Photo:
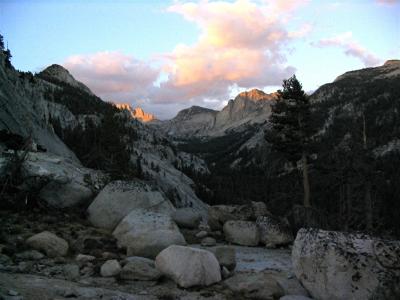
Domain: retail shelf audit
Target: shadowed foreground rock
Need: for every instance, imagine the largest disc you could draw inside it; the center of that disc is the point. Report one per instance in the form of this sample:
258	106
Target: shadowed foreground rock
49	243
334	265
189	266
242	233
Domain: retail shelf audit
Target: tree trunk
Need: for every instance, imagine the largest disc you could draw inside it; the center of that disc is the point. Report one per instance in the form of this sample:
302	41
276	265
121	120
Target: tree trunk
306	182
368	208
348	205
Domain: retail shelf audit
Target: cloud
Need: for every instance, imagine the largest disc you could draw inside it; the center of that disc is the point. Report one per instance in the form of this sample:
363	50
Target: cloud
113	74
350	48
241	43
387	2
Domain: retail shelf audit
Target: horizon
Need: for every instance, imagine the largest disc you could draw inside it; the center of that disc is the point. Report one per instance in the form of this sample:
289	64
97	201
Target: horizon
186	53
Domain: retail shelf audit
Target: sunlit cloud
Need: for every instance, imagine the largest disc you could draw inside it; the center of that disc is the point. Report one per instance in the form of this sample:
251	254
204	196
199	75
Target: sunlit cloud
242	44
113	74
350	47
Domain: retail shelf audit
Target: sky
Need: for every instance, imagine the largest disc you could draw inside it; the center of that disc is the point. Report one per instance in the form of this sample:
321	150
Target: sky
168	55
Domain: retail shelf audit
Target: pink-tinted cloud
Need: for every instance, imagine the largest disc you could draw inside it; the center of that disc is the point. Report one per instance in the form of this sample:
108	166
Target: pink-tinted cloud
242	44
350	47
113	74
388	2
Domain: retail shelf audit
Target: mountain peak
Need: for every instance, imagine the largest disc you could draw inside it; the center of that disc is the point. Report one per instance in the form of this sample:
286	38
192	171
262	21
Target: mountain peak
256	95
392	62
137	113
59	73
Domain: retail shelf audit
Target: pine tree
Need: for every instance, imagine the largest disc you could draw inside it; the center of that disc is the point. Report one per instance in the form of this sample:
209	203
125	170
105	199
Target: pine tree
1	43
291	130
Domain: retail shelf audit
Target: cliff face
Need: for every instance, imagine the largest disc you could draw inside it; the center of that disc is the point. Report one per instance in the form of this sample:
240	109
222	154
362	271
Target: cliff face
137	113
25	111
248	108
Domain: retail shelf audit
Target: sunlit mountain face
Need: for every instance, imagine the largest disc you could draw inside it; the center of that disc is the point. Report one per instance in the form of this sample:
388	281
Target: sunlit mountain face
173	149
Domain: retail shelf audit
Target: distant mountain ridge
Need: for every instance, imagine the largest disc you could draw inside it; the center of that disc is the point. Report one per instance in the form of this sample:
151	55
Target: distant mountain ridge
250	107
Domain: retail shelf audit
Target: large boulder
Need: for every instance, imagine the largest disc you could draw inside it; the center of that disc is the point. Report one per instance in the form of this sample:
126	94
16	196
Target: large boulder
254	286
48	243
61	183
119	198
242	233
189	266
146	233
186	217
62	195
335	265
273	232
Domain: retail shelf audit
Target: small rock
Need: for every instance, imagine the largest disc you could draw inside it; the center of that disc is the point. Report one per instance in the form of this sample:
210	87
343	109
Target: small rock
84	258
201	234
110	268
225	272
208	242
12	293
139	268
30	255
109	255
49	243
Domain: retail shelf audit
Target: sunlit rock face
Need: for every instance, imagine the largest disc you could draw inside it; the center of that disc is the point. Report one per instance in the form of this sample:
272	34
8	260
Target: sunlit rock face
137	113
26	112
251	107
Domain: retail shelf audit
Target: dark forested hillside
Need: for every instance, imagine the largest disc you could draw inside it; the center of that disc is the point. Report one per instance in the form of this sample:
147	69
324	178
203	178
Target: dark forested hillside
355	165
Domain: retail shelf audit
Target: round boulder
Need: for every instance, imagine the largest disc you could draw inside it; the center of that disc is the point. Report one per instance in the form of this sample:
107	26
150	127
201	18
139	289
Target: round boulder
189	266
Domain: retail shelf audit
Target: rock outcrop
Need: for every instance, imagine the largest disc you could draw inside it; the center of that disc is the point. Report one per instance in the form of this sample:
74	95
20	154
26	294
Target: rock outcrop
119	198
334	265
189	266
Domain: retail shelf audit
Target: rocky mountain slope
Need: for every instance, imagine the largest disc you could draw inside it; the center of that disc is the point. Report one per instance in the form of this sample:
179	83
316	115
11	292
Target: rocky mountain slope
247	108
59	113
